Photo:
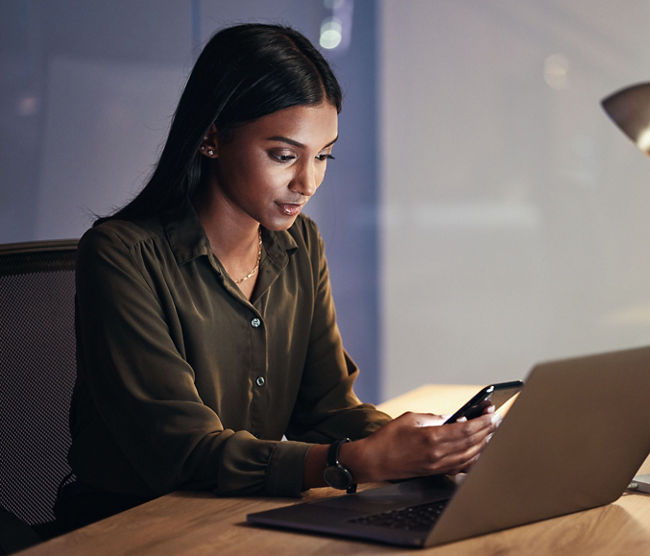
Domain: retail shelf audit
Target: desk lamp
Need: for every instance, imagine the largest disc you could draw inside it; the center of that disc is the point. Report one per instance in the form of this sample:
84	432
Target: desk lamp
630	110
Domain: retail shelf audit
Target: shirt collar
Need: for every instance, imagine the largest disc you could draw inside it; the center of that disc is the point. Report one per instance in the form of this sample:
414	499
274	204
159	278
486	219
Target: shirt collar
185	234
279	246
188	241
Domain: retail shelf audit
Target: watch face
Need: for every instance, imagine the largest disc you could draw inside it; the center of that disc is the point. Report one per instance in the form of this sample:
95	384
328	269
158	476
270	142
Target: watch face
338	477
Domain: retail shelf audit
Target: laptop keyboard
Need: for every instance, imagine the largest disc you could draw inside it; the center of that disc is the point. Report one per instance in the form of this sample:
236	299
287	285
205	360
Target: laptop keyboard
414	518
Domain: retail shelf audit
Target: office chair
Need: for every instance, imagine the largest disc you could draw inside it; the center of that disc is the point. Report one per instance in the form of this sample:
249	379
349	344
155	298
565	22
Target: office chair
37	374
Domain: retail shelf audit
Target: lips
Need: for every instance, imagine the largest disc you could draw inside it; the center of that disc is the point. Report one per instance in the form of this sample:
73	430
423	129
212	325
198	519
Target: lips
290	209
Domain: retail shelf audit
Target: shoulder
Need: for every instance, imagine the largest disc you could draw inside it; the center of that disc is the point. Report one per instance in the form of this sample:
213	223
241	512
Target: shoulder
118	238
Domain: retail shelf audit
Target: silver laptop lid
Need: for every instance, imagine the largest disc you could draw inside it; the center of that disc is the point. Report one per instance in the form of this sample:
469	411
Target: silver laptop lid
573	440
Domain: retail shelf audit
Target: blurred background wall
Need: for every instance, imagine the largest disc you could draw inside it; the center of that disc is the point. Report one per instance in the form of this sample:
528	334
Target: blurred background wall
514	214
481	214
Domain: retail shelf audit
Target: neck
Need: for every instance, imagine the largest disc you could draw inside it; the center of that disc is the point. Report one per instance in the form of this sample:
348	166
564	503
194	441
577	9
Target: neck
232	235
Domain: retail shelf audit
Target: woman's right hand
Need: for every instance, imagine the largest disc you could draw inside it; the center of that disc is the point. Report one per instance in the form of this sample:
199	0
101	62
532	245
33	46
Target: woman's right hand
417	444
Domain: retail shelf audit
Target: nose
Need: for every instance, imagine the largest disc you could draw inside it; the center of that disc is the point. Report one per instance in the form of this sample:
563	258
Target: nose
306	179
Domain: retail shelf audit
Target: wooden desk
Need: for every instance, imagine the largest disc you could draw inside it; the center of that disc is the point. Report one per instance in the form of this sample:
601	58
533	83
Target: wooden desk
199	523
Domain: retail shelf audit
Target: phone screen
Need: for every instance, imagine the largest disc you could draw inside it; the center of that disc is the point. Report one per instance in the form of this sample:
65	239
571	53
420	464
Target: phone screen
494	394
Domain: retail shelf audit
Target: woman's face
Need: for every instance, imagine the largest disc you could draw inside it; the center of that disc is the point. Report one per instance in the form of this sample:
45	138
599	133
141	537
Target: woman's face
268	169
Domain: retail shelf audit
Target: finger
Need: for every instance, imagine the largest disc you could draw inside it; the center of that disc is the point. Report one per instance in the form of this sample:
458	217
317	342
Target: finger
475	458
482	425
469	464
457	461
456	437
460	438
485	421
466	466
425	419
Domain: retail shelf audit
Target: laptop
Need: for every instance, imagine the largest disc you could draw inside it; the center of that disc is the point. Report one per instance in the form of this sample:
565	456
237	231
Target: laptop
572	440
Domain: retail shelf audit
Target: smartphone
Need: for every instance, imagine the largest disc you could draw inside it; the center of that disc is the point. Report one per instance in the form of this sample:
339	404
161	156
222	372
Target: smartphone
494	394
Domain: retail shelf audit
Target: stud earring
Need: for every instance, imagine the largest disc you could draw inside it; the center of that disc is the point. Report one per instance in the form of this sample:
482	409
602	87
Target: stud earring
210	152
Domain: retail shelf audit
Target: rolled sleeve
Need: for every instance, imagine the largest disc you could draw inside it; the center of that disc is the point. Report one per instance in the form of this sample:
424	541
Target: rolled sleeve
284	476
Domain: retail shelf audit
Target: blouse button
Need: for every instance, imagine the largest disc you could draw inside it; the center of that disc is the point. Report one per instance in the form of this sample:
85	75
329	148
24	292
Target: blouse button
260	381
255	323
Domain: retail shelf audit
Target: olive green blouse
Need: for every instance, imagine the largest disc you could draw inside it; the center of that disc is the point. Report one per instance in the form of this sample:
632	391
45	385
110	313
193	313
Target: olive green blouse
185	383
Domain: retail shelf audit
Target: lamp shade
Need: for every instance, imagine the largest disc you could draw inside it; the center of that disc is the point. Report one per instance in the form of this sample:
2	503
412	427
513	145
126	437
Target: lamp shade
630	110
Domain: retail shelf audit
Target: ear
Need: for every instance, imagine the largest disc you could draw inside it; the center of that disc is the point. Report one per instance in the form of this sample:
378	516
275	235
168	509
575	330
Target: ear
209	144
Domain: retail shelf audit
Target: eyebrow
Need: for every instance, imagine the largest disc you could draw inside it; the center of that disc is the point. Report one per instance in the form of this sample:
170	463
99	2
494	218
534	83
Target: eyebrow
296	143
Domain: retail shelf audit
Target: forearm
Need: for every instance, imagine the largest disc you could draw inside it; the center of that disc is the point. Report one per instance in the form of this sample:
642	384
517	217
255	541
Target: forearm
410	446
315	462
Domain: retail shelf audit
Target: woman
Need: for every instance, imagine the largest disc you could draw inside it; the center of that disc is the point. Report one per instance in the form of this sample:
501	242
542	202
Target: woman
205	321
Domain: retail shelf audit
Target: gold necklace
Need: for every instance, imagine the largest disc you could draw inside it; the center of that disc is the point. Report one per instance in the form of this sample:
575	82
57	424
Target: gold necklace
257	264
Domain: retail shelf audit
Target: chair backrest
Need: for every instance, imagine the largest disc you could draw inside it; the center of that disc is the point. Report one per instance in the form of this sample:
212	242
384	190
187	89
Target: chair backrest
37	373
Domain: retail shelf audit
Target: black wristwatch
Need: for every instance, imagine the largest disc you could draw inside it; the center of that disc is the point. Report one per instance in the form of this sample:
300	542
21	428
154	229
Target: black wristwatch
337	475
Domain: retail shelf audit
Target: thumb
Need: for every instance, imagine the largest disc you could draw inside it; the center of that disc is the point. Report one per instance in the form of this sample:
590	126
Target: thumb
424	419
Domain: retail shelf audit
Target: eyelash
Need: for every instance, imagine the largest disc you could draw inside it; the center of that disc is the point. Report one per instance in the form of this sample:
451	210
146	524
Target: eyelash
282	157
289	157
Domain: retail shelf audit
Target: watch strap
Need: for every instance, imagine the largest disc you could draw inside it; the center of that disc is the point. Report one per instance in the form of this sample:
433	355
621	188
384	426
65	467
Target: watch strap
334	450
333	461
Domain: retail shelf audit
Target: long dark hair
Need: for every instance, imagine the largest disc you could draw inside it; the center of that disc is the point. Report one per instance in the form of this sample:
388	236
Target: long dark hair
243	73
